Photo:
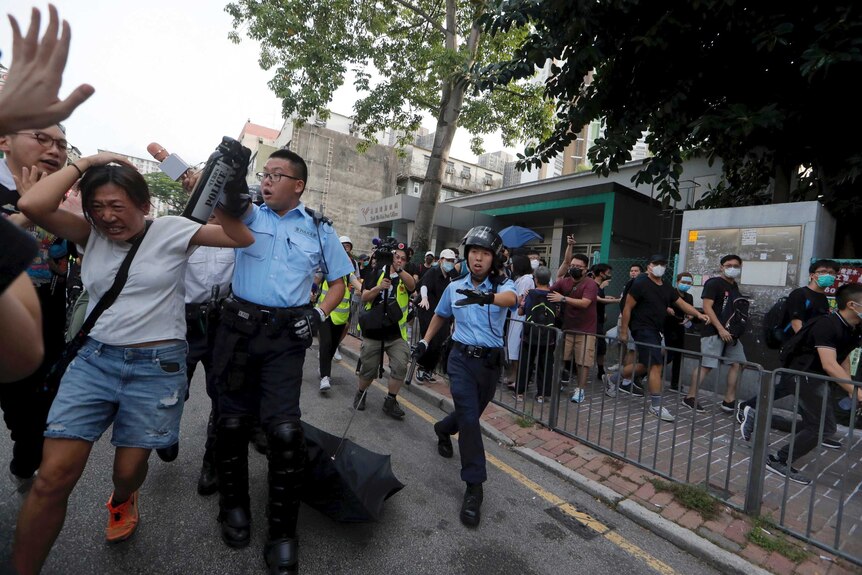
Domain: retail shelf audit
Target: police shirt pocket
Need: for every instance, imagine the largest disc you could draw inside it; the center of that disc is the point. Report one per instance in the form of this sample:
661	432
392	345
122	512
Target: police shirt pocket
225	256
262	246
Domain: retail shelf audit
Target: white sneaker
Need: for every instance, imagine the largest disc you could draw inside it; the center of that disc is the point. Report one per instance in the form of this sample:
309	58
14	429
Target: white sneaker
578	395
661	413
337	356
613	368
325	384
22	486
610	386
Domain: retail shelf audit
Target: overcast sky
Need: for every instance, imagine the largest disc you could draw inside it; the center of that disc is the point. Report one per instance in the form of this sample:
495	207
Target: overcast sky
165	71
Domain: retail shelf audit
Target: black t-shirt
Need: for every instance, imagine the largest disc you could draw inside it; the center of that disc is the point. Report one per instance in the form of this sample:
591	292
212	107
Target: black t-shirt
722	293
804	303
435	281
833	332
600	307
652	303
19	250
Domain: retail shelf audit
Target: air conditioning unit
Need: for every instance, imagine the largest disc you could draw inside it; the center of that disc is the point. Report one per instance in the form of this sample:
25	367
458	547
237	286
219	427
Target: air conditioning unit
320	122
465	174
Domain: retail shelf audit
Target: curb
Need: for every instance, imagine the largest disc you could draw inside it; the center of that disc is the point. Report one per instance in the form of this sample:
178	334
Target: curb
681	537
688	540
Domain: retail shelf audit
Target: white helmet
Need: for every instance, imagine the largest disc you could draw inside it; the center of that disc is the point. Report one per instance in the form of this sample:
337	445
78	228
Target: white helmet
345	240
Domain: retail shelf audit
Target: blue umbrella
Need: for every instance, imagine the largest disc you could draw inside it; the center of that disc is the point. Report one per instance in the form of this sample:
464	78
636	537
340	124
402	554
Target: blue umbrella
517	236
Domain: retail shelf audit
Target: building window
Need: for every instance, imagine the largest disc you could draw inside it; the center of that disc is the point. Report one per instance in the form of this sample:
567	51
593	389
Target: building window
465	172
417	188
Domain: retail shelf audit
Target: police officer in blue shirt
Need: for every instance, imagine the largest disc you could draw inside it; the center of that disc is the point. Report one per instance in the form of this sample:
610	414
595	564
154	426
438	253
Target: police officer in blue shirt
267	324
478	302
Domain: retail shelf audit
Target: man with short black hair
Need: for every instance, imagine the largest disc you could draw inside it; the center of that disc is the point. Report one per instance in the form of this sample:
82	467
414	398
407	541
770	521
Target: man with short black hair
718	295
431	289
824	349
25	403
645	309
602	276
803	304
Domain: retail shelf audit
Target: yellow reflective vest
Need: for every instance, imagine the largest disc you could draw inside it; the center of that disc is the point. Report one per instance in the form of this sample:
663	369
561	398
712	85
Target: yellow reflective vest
341	314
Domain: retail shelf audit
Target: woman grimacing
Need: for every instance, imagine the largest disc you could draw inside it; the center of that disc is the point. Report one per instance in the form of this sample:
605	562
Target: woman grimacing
130	372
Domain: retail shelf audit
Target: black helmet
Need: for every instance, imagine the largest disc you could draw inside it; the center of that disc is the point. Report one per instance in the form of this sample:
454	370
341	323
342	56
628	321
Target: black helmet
483	237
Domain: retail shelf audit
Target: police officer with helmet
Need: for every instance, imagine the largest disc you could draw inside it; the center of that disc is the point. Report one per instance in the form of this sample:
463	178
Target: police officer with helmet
266	326
478	301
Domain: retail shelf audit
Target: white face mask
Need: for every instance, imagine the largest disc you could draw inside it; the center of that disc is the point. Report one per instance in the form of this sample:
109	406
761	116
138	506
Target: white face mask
732	272
535	264
658	271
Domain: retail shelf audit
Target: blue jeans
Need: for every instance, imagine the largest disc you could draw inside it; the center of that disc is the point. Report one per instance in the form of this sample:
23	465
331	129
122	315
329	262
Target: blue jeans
472	384
138	389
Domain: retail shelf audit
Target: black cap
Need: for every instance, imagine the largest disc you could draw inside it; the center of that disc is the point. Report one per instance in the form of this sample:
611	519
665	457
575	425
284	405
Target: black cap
362	257
657	258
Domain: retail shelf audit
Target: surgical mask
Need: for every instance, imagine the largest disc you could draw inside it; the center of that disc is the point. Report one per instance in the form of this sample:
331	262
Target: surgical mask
658	271
535	264
683	287
826	280
448	267
576	273
435	264
732	273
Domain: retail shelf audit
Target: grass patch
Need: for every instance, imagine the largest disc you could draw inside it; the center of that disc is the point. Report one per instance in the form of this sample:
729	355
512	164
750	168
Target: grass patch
691	497
525	421
765	535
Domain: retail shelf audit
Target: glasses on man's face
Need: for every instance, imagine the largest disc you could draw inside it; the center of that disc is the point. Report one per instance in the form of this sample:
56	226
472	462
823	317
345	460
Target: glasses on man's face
261	176
47	141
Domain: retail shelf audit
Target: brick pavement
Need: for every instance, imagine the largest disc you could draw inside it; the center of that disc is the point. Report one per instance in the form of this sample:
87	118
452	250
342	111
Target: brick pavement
729	530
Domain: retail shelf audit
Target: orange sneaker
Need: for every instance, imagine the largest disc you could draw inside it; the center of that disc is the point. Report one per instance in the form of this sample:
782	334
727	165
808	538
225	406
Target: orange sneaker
122	519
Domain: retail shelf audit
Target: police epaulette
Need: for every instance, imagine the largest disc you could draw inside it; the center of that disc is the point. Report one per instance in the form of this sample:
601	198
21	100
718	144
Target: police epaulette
317	216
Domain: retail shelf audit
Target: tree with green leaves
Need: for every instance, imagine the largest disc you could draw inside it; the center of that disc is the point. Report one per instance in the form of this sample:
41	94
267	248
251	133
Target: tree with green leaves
408	57
169	194
764	86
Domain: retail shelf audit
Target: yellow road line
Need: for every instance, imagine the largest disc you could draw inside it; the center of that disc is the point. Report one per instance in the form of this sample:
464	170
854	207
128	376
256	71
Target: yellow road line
564	506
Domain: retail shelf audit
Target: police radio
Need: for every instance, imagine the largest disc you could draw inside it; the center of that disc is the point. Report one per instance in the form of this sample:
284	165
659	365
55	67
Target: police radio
221	167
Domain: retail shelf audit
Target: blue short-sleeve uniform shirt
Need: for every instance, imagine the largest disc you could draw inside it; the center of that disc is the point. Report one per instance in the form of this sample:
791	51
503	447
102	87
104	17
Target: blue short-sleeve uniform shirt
475	324
277	270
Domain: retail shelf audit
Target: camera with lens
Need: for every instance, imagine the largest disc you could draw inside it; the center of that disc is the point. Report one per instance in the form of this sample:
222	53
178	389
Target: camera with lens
385	247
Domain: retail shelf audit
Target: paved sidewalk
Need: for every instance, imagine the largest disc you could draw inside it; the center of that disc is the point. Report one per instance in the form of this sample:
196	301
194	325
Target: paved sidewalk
722	540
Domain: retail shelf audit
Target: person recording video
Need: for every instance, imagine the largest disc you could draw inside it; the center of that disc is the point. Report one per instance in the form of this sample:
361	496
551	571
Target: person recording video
385	295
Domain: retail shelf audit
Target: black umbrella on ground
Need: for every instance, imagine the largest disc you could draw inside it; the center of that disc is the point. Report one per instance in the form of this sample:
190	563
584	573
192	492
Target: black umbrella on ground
351	487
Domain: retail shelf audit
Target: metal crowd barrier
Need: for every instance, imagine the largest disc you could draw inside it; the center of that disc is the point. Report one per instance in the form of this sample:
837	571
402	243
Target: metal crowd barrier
695	448
827	512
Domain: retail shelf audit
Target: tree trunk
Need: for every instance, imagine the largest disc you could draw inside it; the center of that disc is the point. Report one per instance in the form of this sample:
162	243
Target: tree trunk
781	180
451	100
447	123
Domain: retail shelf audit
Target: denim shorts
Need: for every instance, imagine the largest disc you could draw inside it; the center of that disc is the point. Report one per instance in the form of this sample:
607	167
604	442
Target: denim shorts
138	389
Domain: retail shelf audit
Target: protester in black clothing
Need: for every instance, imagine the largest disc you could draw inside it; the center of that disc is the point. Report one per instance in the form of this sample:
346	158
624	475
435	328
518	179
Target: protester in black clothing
824	349
602	276
644	312
427	265
718	296
433	284
803	304
675	325
538	344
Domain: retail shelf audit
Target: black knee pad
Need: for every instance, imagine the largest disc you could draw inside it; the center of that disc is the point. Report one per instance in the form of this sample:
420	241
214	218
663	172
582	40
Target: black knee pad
286	442
234	428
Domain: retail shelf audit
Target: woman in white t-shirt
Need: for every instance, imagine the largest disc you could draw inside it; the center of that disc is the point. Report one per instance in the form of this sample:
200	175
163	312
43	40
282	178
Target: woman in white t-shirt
131	370
523	273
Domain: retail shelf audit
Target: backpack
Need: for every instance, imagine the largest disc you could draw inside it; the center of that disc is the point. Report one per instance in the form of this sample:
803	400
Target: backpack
737	321
544	313
794	346
775	327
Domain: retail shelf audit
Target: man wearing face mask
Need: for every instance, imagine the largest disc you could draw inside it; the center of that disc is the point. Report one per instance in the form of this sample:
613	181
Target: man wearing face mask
718	296
803	304
433	284
427	265
644	312
579	294
535	259
824	349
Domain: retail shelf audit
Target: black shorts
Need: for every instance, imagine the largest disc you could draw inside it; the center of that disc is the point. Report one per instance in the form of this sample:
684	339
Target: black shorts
648	354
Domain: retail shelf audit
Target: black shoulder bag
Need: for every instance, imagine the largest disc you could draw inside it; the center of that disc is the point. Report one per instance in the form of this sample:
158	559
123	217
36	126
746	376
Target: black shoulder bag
55	374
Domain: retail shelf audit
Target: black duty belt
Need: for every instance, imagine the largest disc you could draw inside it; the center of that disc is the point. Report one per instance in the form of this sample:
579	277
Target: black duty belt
195	311
473	350
264	315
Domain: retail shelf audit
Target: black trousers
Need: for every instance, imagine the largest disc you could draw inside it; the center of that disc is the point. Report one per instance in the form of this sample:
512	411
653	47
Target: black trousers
813	393
200	336
328	339
25	403
543	357
431	357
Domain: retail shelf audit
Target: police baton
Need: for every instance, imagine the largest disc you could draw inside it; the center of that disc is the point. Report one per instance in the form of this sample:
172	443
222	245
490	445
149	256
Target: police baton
408	379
